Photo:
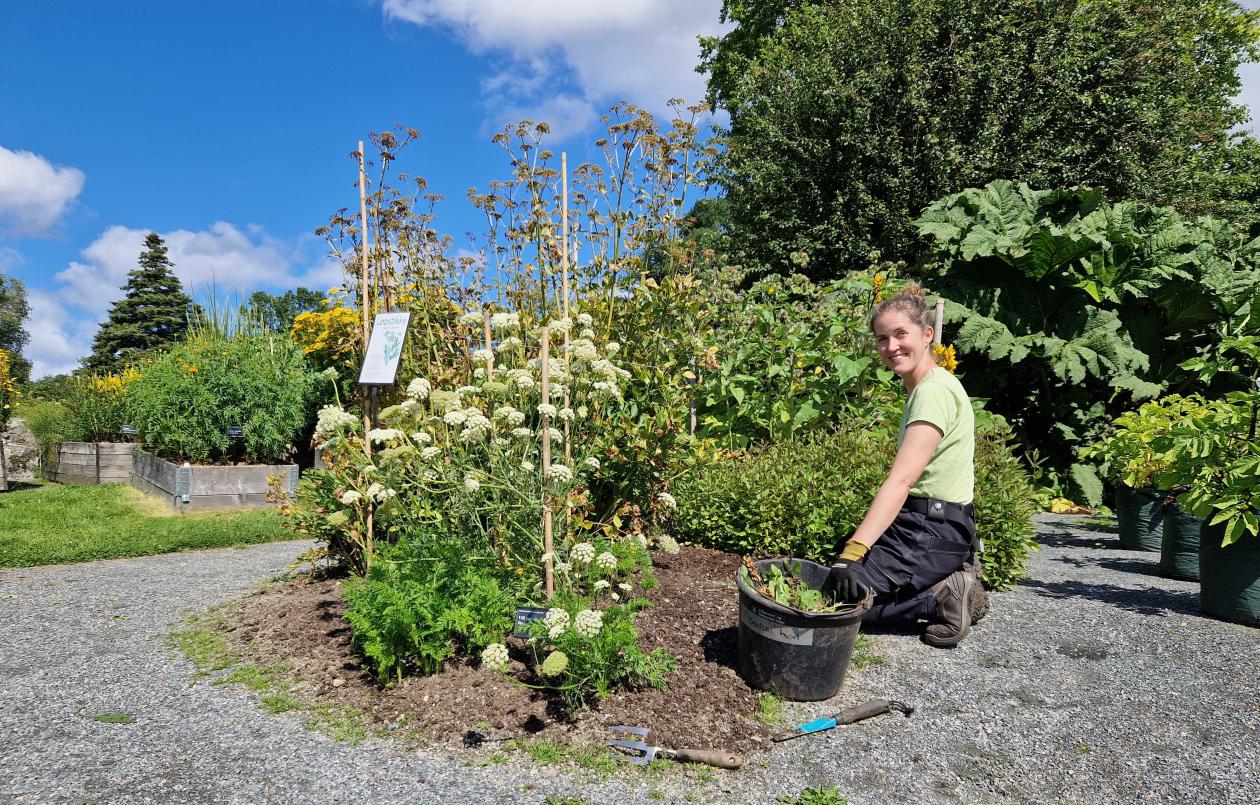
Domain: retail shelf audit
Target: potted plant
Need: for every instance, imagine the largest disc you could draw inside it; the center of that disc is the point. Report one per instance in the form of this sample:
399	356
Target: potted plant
1215	456
1131	459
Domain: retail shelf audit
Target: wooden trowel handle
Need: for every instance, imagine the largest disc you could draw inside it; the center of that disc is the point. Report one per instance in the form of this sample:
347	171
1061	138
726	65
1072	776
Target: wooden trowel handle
875	707
723	760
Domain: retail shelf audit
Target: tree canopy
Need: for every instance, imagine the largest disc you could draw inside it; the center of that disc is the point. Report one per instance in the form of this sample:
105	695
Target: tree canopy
13	335
849	117
277	313
153	312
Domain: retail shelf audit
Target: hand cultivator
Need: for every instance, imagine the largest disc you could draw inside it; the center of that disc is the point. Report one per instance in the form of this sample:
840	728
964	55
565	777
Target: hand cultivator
626	747
875	707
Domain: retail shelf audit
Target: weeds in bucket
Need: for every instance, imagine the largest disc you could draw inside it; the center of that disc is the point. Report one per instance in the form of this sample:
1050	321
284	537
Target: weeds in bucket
783	585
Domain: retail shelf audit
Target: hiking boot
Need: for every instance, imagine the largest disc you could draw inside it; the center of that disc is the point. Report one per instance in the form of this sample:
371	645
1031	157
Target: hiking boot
978	604
953	610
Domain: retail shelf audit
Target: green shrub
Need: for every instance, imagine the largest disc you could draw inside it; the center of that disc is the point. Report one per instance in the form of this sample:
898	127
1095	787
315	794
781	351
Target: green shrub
50	422
187	398
423	600
805	496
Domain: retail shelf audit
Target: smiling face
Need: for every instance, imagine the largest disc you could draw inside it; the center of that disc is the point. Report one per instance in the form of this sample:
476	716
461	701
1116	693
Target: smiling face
904	346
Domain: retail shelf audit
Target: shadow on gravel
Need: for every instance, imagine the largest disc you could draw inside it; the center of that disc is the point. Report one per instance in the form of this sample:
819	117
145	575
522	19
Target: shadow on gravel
1139	567
1146	601
1066	539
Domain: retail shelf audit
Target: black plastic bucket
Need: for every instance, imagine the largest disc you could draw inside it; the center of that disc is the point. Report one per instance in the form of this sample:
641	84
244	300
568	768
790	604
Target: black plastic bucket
1179	554
1139	518
802	656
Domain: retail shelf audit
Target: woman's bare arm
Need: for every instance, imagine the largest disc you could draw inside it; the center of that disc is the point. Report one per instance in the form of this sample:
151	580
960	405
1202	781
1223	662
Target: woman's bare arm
912	458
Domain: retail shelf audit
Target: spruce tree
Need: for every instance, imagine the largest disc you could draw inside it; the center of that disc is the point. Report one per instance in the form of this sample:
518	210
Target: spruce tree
153	312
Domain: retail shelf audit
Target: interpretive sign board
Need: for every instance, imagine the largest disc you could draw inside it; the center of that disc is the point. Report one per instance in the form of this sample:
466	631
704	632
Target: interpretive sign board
380	365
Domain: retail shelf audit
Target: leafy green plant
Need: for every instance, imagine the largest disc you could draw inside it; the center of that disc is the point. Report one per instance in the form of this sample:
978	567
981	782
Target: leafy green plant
1214	453
1069	306
187	398
815	796
425	600
49	422
1134	451
787	356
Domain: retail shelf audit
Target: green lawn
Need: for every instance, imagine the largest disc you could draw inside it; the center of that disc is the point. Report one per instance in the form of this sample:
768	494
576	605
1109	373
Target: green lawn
50	523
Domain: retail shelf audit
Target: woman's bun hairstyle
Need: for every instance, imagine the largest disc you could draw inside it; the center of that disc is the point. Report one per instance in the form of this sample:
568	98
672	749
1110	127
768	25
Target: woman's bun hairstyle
908	300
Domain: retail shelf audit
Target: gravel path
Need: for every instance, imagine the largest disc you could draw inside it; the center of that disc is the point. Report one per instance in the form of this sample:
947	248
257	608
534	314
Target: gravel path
1094	681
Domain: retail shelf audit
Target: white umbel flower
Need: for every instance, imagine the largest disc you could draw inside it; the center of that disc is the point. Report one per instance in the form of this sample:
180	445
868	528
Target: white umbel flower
471	319
606	561
522	433
583	349
483	355
612	348
350	497
471	483
566	414
584	320
430	453
547	409
668	544
422	437
602	584
505	321
559	474
588	623
588	334
455	418
419	389
591	462
495	657
557	622
378	435
527	466
583	553
667	500
332	419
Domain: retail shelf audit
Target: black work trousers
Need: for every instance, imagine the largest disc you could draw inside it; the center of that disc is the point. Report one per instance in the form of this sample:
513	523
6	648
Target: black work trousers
912	555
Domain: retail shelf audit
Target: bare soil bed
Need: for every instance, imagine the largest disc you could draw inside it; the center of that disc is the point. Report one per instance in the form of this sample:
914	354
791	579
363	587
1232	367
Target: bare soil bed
693	616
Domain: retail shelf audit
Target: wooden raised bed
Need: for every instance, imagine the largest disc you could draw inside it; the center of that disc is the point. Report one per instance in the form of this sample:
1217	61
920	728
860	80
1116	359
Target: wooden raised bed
209	487
90	463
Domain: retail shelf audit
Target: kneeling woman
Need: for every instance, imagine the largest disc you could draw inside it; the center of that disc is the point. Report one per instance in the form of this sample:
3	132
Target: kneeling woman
913	547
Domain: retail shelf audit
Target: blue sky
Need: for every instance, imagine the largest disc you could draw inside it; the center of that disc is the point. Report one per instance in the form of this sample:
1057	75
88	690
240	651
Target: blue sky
226	126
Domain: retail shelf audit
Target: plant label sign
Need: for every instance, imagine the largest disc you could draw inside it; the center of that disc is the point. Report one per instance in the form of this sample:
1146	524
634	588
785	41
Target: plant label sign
380	365
767	624
524	617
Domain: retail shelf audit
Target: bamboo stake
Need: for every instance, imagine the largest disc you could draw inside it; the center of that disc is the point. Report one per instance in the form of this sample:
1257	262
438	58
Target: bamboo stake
940	320
485	320
548	544
365	304
564	289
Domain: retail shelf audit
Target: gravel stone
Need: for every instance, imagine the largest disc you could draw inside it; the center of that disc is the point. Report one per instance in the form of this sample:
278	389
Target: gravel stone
1093	681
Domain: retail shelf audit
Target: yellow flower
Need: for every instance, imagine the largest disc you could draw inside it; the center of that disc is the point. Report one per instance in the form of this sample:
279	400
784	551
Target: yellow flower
945	357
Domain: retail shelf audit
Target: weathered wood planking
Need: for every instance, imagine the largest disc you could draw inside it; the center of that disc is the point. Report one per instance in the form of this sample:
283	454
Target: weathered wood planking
209	487
79	462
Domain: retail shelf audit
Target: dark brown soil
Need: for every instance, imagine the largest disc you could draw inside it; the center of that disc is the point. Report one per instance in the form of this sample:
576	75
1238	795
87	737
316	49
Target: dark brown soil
693	616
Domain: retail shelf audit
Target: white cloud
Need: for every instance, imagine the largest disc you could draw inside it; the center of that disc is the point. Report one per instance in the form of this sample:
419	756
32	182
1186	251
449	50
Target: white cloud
34	193
237	261
564	53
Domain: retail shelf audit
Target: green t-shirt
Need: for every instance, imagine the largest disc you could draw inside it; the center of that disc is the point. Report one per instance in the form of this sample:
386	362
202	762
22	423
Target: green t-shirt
951	472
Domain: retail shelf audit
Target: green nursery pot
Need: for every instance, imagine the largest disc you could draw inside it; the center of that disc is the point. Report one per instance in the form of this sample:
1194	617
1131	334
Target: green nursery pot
1229	577
1179	548
1140	518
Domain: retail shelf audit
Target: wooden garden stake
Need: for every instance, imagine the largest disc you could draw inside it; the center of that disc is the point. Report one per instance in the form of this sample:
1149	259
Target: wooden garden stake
564	288
548	545
365	303
940	320
485	320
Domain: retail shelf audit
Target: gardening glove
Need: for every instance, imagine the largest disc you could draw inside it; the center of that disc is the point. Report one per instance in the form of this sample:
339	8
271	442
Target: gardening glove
844	573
